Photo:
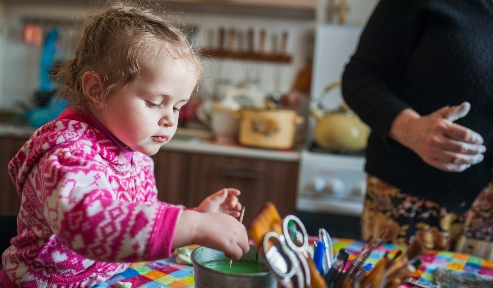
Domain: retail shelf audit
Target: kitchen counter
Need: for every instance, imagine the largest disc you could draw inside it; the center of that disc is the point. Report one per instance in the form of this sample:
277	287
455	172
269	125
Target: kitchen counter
197	145
201	141
200	167
16	130
186	140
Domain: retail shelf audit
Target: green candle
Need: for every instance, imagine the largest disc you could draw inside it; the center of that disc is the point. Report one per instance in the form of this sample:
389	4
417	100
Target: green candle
239	267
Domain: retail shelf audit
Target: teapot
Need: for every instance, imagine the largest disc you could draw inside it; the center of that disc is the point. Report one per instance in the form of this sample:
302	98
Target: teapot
339	130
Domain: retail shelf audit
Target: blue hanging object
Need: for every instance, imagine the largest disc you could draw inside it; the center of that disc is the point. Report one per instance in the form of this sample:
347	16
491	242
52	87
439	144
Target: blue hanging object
47	59
37	117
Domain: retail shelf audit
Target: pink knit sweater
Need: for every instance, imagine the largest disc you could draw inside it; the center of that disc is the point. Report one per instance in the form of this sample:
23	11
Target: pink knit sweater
85	209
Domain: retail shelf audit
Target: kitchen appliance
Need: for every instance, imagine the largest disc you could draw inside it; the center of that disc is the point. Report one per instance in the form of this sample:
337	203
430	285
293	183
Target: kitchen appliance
339	130
268	128
331	184
222	120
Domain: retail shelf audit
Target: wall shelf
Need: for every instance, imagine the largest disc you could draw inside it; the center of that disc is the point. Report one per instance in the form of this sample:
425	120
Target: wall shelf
287	9
241	55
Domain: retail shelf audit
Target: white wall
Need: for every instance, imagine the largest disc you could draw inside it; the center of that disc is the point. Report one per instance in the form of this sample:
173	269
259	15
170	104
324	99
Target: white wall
299	46
3	41
19	63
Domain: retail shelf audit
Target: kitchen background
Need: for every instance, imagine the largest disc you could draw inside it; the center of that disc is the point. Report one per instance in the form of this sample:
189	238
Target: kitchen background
323	188
19	62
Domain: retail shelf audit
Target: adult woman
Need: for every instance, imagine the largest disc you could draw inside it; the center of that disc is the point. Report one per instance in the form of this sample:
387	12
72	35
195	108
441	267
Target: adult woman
427	162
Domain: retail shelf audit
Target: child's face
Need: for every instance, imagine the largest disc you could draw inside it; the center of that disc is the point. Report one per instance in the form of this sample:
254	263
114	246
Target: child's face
144	113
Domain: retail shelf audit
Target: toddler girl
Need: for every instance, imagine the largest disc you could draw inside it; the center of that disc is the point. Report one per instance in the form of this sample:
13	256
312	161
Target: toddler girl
88	195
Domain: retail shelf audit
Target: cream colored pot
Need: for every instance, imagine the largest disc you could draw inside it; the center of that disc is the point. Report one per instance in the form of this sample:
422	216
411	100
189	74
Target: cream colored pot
223	121
225	124
268	128
340	130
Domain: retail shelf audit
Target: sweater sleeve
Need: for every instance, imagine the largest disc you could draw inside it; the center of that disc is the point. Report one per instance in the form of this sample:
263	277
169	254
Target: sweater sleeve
370	79
85	213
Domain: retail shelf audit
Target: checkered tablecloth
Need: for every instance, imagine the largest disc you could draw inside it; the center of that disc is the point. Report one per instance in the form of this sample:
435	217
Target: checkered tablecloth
161	273
166	273
431	260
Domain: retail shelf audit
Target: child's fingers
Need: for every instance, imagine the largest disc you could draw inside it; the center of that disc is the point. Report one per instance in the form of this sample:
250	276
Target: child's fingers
232	202
237	207
233	191
234	213
236	251
219	197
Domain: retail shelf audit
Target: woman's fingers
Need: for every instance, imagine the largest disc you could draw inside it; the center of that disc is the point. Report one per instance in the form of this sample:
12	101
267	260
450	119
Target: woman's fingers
448	167
458	159
437	140
457	112
461	147
461	133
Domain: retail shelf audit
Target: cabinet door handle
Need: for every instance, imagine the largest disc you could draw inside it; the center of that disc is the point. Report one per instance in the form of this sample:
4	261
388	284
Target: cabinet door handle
242	173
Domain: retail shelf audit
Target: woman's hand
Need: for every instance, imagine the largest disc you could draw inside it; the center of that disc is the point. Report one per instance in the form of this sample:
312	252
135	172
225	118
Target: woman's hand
223	201
437	140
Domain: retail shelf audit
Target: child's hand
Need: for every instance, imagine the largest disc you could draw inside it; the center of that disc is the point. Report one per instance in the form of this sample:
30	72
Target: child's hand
224	201
222	232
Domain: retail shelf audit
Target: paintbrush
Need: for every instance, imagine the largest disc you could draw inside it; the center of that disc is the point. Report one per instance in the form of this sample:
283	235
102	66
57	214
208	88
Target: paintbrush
415	249
360	259
241	221
375	276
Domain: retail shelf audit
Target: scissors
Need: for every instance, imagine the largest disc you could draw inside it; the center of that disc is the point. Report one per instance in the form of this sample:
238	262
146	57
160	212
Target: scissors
286	253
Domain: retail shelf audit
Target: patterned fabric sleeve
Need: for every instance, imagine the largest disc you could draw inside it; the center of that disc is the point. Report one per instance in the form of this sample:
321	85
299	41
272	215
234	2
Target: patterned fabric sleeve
88	215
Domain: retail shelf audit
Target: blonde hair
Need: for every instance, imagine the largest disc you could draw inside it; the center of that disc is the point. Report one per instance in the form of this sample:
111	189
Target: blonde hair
115	44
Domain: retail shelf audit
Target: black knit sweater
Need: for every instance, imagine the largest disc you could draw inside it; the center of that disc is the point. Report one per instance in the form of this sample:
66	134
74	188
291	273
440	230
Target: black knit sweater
424	54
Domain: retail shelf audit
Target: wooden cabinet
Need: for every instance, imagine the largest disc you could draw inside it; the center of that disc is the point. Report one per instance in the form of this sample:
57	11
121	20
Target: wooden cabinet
187	178
258	180
171	171
9	200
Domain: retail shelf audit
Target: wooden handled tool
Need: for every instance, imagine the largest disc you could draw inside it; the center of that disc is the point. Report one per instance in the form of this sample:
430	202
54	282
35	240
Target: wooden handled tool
284	43
250	41
261	45
231	40
375	276
415	249
266	220
222	35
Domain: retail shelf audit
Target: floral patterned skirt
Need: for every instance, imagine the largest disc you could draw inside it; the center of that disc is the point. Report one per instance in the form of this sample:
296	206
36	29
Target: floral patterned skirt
406	216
